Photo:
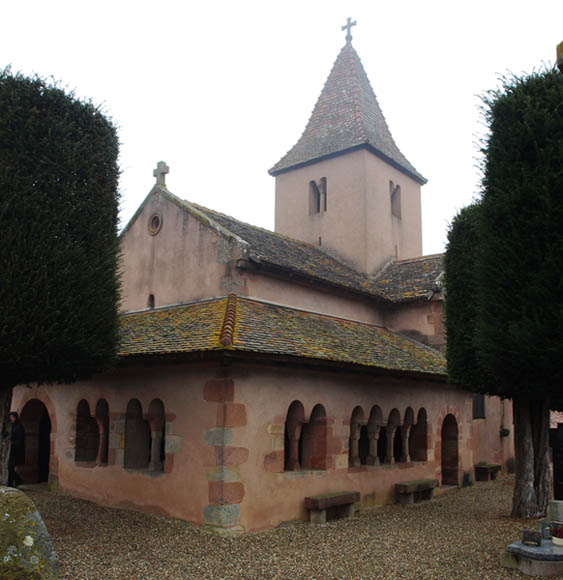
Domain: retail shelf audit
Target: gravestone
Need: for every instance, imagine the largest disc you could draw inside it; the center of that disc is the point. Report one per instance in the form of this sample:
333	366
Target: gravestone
556	442
26	550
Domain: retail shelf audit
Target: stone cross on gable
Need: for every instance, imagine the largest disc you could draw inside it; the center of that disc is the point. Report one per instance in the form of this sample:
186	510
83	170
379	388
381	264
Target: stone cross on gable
160	172
348	27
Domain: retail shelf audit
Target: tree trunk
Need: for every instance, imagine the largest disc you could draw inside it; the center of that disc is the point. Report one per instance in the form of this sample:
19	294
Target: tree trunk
5	403
532	489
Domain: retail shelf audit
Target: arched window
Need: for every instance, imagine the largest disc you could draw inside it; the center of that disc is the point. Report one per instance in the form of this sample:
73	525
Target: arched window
314	440
293	443
157	424
87	435
395	191
317	196
137	437
418	445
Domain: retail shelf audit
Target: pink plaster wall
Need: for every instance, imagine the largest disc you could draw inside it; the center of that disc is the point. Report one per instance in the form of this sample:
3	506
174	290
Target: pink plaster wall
271	498
185	261
389	237
357	224
249	407
311	298
422	320
182	489
487	443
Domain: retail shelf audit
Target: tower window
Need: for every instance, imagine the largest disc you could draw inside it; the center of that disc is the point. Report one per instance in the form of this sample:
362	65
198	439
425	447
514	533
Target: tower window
150	301
317	196
395	191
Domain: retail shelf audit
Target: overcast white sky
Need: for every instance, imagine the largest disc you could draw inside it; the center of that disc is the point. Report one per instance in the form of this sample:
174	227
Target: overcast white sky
221	90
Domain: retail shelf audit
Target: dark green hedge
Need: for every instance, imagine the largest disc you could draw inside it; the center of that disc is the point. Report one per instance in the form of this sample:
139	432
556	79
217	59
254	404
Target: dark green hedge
510	324
59	286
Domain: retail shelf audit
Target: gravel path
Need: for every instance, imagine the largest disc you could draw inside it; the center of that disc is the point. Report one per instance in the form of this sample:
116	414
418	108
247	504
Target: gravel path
457	535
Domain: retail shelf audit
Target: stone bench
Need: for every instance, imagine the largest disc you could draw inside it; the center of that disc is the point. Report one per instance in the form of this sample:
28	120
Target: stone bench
339	503
417	490
486	471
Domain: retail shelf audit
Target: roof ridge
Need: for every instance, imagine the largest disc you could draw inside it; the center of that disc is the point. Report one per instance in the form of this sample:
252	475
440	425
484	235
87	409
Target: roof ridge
419	258
277	234
228	328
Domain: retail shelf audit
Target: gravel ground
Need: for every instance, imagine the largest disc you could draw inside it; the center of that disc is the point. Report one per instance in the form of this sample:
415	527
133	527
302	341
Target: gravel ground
457	535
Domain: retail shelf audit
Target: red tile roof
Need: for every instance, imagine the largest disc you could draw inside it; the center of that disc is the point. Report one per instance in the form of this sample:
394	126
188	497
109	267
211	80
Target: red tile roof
346	116
249	326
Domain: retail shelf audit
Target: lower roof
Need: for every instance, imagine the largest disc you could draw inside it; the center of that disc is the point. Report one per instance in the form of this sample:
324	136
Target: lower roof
242	325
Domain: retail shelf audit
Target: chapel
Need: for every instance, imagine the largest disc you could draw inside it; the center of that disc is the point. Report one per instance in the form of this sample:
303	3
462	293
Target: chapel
257	368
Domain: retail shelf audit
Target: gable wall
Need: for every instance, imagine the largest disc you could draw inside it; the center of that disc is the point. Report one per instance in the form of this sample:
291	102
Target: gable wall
185	261
422	320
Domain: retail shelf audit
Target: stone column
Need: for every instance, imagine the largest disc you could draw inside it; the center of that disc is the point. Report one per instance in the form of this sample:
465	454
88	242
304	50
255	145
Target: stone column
155	463
389	457
102	442
405	432
293	461
372	458
354	460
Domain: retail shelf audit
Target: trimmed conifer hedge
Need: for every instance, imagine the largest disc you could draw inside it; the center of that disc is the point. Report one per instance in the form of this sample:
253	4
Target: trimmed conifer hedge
59	286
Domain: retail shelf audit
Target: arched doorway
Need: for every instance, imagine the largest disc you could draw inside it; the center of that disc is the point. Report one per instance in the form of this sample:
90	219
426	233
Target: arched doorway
37	424
450	472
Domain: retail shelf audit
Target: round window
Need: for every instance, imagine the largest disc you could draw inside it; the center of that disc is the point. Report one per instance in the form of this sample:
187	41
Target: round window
155	223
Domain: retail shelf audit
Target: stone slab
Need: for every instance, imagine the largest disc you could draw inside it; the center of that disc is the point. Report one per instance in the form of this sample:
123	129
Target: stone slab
530	566
546	551
328	500
416	485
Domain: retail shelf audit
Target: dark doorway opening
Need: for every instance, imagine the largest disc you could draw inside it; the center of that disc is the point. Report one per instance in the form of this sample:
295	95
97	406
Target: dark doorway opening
37	424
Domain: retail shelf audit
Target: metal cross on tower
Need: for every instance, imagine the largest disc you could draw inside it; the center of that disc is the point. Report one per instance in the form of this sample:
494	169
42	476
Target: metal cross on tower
348	27
160	173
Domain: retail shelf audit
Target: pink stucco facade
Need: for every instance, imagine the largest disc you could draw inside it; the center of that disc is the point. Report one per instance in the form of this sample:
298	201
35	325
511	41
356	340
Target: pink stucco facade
358	224
236	440
224	439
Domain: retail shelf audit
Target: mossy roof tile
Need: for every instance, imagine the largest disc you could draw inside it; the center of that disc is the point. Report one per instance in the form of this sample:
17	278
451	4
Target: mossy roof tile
412	279
264	328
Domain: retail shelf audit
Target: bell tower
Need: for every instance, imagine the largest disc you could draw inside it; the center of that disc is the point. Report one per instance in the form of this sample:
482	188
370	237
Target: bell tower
345	186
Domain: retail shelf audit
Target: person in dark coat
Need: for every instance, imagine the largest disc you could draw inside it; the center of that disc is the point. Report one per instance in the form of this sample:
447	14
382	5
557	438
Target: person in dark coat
17	450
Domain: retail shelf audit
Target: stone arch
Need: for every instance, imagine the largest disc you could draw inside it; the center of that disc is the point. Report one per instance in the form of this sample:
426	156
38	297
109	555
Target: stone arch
102	420
37	425
87	439
157	424
450	451
137	437
356	421
418	439
314	434
293	444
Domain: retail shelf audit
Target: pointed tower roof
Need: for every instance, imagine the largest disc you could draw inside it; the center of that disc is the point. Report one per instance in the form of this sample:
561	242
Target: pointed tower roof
347	116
